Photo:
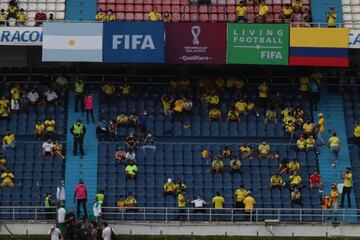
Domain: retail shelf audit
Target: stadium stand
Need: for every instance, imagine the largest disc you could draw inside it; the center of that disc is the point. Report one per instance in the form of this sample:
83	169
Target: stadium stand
185	10
351	10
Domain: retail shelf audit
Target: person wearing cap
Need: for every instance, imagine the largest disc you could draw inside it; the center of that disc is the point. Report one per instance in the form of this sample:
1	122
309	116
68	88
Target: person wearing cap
61	213
80	195
169	187
249	203
357	133
334	144
55	233
295	197
245	151
321	128
331	17
276	181
347	176
78	131
48	206
264	150
60	193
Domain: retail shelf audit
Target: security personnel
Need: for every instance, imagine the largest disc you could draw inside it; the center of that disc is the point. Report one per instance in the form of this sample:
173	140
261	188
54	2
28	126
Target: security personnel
78	130
48	205
79	94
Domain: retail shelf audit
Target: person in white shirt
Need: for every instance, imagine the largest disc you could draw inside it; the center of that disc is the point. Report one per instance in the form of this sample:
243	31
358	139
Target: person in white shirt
51	96
61	212
14	104
33	97
97	210
47	148
55	233
106	232
199	203
60	193
130	156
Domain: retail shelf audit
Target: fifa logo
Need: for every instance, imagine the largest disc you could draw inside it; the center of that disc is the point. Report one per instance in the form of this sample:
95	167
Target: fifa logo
196	30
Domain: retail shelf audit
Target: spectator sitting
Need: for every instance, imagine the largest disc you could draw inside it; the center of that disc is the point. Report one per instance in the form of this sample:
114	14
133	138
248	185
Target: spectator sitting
245	151
310	143
179	107
130	202
142	118
130	156
47	149
132	120
315	180
100	16
21	18
50	126
154	15
214	114
284	166
7	179
264	150
241	105
58	149
125	89
297	6
233	116
166	104
102	129
122	120
289	128
113	130
13	9
121	203
131	141
235	165
301	143
39	130
241	12
295	197
51	17
226	152
214	99
108	90
294	165
3	17
120	154
166	16
263	11
217	166
180	186
33	97
356	133
276	181
188	105
149	142
110	16
295	180
8	141
40	17
51	96
287	13
169	187
250	107
308	128
15	92
2	162
270	115
131	170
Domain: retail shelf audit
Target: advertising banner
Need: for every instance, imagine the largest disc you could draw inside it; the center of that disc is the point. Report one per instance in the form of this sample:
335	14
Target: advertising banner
354	38
21	36
196	43
133	42
72	42
258	43
326	47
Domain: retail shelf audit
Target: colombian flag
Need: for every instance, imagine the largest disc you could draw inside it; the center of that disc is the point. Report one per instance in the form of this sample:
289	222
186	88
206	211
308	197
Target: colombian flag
319	47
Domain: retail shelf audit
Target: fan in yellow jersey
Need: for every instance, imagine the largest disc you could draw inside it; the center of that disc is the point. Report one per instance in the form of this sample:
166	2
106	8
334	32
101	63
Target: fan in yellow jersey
217	166
240	195
21	17
297	6
276	181
310	143
3	17
110	16
347	176
181	205
241	12
295	180
249	203
218	202
301	143
50	126
287	13
270	115
100	16
169	187
39	130
122	120
130	202
293	166
357	133
264	150
154	15
334	144
233	116
4	108
321	128
289	128
263	11
235	165
214	114
331	17
245	151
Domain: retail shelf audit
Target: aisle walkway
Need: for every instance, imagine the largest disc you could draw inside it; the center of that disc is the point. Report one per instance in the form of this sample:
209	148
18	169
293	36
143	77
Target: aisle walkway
87	167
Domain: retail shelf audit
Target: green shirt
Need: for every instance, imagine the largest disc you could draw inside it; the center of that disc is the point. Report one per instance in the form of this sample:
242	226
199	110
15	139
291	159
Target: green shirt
100	197
132	170
48	202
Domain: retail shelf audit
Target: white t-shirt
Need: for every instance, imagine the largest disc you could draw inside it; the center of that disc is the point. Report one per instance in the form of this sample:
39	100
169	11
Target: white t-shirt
106	233
15	104
130	155
61	212
198	203
55	234
97	209
60	194
33	97
48	147
51	95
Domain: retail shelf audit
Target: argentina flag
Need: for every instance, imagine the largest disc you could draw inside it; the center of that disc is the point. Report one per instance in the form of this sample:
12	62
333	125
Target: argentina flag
72	42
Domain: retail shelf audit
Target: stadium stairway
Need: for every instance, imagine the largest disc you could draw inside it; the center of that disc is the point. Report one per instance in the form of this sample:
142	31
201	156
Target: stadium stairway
87	167
319	10
81	10
331	105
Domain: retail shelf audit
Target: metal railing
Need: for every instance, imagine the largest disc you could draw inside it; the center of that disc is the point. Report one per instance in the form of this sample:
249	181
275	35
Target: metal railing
169	214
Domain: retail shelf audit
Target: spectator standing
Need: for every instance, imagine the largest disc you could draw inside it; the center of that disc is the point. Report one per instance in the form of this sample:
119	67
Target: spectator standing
241	12
40	17
166	104
101	196
218	202
89	107
78	130
240	195
334	144
61	213
249	203
334	194
81	197
357	133
199	205
3	17
331	17
287	13
102	129
154	16
55	233
100	16
97	210
347	176
60	193
13	9
79	89
48	206
263	11
107	232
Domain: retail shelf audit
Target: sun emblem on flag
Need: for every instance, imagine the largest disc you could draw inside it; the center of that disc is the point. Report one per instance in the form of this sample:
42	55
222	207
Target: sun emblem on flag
71	42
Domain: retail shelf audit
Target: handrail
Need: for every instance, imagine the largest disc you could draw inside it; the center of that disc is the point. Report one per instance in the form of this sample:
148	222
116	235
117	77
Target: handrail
167	214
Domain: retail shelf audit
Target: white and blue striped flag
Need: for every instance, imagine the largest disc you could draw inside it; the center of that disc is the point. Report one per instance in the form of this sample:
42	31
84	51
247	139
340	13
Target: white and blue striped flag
72	42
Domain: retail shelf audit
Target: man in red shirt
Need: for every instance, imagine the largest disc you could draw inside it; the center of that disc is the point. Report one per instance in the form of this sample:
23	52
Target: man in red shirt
39	18
81	197
315	181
